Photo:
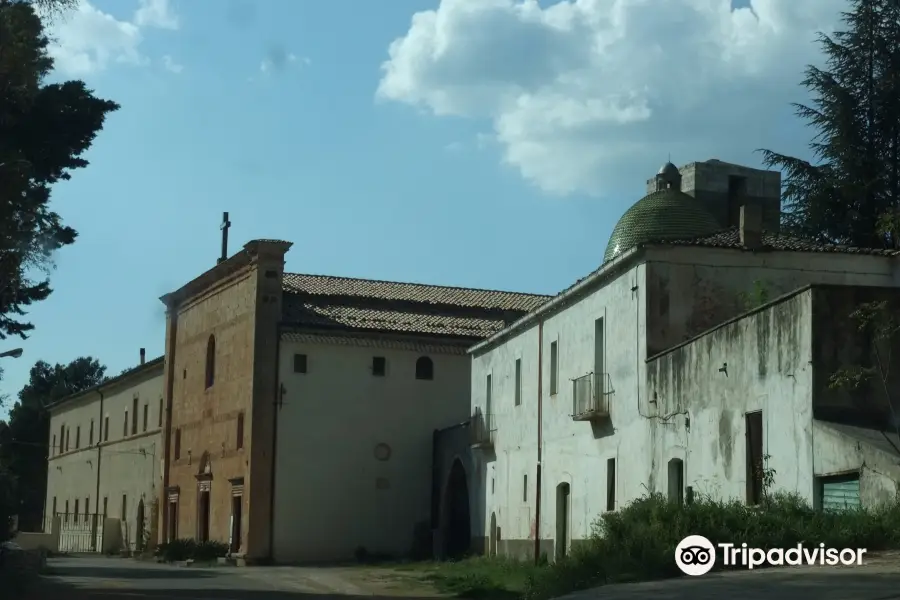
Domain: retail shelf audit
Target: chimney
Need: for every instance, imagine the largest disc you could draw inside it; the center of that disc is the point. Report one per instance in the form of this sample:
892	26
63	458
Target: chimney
143	355
751	226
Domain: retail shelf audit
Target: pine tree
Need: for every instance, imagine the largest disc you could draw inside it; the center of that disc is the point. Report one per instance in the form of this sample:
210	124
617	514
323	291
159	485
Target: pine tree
850	193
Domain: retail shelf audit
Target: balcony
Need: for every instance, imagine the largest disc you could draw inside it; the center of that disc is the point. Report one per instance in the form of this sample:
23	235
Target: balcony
481	429
590	397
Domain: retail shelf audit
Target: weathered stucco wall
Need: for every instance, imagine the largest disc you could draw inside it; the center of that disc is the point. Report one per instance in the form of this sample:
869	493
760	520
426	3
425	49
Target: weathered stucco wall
354	450
693	289
704	389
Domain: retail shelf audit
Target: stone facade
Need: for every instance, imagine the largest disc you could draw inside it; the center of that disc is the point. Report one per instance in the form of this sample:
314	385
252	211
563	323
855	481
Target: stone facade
221	340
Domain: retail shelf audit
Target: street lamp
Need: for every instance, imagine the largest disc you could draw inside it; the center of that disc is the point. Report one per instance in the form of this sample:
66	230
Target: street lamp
14	353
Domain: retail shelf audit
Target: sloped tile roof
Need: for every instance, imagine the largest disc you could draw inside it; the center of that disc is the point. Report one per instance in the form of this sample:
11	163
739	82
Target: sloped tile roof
731	238
322	301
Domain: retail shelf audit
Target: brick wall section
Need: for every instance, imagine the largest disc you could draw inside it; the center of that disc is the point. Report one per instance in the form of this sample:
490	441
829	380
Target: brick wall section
238	302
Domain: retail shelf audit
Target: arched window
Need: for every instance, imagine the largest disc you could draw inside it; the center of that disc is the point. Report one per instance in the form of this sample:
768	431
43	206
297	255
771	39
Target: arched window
210	361
424	368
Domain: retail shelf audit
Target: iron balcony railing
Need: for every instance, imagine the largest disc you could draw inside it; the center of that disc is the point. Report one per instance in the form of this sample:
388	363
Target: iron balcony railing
481	428
590	396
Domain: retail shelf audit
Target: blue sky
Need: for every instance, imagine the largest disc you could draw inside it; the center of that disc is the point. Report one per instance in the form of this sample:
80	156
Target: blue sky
484	143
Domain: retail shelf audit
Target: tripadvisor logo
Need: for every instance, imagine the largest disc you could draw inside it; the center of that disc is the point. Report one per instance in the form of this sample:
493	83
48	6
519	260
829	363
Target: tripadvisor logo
695	555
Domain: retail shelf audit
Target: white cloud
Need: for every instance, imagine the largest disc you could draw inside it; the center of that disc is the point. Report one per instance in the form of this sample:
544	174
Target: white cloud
156	13
579	91
89	40
170	65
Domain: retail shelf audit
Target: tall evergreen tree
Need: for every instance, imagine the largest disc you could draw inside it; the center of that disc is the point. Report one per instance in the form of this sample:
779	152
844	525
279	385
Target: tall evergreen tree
44	130
850	192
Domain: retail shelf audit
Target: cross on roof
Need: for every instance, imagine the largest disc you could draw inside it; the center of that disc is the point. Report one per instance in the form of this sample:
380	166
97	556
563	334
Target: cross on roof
225	226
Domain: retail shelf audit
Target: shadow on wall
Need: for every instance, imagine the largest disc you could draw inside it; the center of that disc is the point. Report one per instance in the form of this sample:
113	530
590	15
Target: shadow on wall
457	507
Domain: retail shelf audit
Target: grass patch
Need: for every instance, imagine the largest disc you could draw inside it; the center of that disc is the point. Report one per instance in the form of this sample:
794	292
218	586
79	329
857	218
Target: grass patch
638	542
476	578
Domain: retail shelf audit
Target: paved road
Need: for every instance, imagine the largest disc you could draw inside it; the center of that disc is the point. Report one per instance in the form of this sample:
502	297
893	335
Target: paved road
102	578
95	578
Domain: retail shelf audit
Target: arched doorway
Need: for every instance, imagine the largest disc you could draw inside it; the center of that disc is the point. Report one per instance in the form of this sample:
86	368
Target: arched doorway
562	520
457	533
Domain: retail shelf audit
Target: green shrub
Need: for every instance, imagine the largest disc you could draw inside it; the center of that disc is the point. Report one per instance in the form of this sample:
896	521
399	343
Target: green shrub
209	550
177	550
638	542
187	549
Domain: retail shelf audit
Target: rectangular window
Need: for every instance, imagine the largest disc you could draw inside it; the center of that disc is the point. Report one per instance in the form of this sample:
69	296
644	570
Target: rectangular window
75	512
124	514
240	430
160	415
554	368
68	433
105	506
518	382
488	392
177	444
300	363
611	484
125	427
146	416
91	434
106	429
754	433
87	506
525	488
134	416
66	514
62	437
54	506
53	448
78	437
599	366
379	366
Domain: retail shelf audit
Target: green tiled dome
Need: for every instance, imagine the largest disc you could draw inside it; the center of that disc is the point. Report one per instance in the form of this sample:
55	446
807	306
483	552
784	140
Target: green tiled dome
665	214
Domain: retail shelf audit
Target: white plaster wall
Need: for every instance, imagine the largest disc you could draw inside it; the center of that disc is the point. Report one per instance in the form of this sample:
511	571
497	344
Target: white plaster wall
572	453
128	464
327	498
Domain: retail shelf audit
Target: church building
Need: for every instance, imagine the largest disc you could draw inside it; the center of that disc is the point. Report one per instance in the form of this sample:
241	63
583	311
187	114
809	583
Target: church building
300	408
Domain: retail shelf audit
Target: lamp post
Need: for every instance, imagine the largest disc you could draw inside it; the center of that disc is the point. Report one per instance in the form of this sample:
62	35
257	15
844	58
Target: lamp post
14	353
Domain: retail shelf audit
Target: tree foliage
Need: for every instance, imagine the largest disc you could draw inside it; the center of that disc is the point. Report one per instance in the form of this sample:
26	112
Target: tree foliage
850	192
26	438
45	128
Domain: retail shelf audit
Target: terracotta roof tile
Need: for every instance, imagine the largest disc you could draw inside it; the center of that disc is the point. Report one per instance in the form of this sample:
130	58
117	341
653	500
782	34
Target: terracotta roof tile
731	238
324	301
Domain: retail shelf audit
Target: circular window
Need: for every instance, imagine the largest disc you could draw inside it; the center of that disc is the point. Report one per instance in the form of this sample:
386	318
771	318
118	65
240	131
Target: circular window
382	452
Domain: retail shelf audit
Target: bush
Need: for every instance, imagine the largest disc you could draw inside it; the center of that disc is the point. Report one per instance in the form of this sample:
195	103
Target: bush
187	549
210	550
638	542
176	550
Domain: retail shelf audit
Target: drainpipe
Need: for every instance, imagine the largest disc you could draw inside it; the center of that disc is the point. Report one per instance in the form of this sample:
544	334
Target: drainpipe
537	486
276	408
97	488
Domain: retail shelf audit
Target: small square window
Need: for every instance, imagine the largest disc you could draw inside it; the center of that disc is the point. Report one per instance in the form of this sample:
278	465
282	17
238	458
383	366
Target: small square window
379	366
299	363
